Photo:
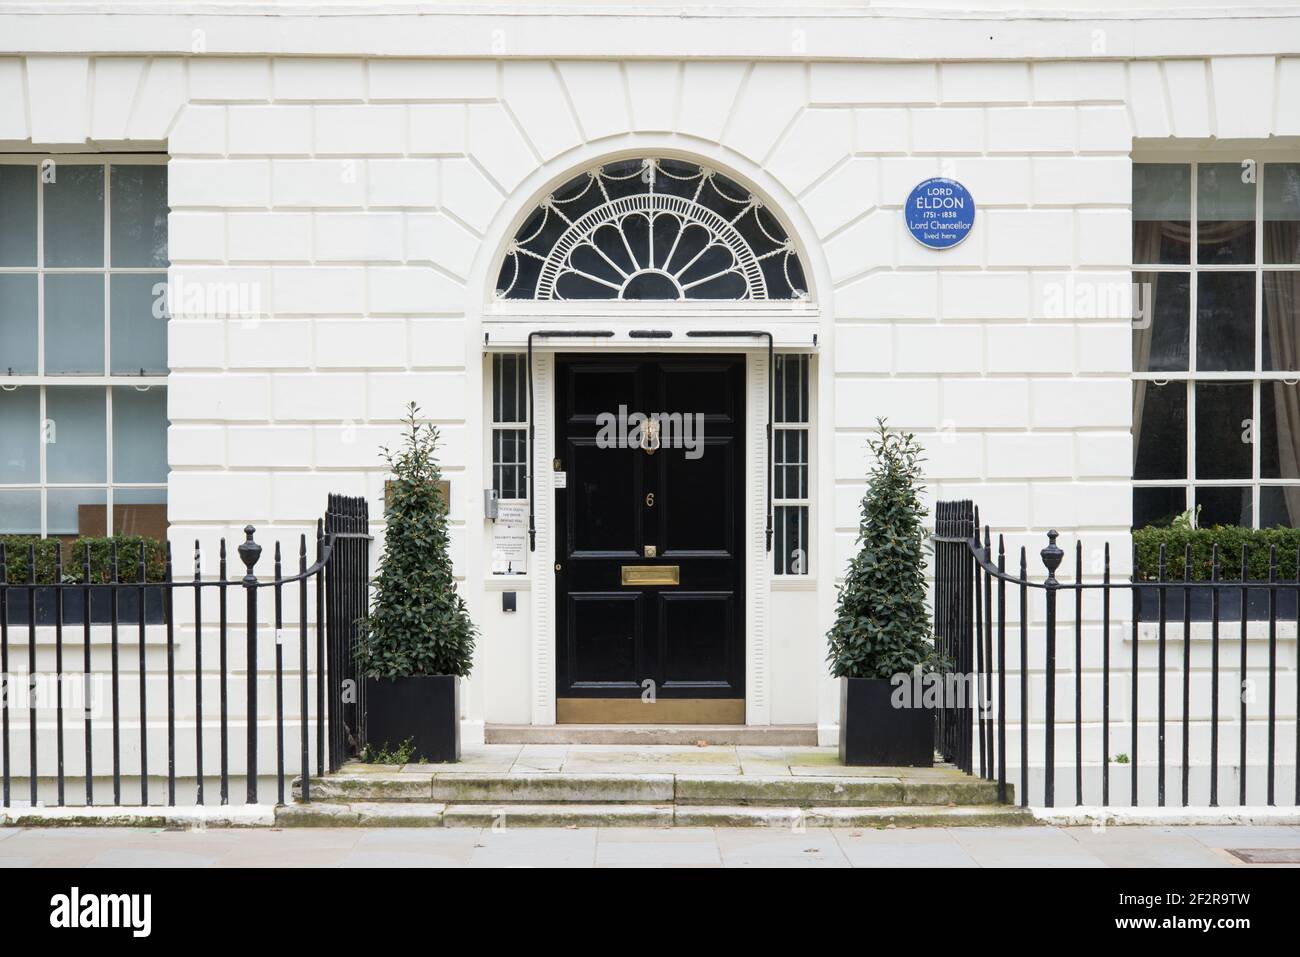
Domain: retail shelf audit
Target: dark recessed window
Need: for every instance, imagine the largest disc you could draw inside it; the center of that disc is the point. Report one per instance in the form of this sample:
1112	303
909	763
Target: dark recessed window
1216	342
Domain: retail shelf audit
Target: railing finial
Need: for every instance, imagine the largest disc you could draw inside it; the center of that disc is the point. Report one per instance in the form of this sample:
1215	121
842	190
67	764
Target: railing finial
249	553
1051	556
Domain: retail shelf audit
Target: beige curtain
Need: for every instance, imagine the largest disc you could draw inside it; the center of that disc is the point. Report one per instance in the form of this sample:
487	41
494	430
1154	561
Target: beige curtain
1146	249
1281	301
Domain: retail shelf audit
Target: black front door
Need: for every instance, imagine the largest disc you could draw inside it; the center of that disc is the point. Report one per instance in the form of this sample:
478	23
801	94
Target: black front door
650	577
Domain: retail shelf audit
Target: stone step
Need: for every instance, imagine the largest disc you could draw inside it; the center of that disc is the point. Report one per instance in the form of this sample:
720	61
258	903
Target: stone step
827	791
364	814
641	735
680	789
912	815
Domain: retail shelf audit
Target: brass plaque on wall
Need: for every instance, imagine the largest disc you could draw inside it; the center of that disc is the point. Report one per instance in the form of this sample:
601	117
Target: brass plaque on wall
651	575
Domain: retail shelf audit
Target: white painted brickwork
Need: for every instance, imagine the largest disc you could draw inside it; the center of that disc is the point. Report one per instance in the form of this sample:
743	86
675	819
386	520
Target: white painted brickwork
364	203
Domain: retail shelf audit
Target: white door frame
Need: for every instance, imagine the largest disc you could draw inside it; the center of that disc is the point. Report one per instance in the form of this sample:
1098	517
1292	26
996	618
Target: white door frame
545	645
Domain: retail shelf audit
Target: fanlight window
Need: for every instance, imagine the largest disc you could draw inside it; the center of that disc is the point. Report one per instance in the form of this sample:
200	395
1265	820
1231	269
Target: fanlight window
651	229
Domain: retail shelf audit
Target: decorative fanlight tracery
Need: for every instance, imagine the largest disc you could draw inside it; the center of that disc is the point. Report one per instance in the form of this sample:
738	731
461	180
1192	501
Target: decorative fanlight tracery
651	229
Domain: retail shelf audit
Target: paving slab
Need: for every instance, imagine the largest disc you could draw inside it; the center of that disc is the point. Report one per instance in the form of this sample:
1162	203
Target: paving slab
651	854
758	848
902	847
1234	836
1032	846
1155	847
531	847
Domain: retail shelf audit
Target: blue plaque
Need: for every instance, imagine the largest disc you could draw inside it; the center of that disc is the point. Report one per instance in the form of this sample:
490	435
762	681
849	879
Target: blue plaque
940	213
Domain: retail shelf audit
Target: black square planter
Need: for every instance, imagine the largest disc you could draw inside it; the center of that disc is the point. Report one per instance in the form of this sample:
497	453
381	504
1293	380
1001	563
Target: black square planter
874	733
425	708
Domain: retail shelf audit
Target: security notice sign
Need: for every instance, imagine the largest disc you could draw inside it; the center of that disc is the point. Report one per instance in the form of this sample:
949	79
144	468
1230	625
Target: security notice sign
510	538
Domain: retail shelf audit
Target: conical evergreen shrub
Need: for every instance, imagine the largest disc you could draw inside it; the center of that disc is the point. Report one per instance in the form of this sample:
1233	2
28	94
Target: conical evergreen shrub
418	624
882	625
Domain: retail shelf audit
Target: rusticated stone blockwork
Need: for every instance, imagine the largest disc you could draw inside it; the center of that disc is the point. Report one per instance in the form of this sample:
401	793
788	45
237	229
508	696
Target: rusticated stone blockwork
353	211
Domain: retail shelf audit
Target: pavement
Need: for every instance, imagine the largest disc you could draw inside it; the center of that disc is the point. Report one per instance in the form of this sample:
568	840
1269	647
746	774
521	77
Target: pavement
1038	846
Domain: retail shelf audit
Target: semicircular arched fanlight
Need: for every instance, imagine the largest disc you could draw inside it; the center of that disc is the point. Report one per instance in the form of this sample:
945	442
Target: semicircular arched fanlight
651	229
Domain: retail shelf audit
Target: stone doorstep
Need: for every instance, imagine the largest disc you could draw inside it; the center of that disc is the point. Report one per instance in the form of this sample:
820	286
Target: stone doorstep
682	789
642	815
642	735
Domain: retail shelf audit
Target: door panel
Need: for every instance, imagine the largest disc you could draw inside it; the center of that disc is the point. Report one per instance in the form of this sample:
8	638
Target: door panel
604	483
603	637
695	518
695	630
675	509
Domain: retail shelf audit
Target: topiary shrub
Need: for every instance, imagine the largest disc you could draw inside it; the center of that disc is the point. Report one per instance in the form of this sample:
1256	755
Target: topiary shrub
74	552
1229	538
418	624
882	625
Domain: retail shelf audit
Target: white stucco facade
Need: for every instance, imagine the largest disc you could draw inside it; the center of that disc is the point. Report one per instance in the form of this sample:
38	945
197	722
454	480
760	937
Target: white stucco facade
360	174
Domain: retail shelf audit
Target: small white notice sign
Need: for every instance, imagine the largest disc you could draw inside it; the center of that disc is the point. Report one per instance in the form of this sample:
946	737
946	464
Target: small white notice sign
561	479
510	538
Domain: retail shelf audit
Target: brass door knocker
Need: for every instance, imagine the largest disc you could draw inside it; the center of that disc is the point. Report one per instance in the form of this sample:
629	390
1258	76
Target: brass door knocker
650	436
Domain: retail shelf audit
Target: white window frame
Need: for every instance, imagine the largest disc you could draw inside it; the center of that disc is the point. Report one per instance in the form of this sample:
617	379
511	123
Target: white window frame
496	425
1256	377
806	426
108	380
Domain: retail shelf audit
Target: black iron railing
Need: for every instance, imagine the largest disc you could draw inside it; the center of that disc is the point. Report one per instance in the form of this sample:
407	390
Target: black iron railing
334	583
972	621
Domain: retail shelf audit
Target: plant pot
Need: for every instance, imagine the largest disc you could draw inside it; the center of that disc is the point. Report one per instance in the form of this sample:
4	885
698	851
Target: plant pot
423	708
18	602
1200	602
874	733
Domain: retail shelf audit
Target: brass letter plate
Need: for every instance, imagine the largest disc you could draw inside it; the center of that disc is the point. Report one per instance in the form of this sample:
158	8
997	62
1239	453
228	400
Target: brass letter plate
651	575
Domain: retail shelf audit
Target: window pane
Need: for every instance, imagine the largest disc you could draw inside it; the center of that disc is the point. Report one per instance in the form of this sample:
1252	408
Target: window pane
1160	424
1282	213
1162	212
138	233
1160	333
17	215
140	511
790	547
76	449
1225	321
1223	427
139	435
1225	214
17	323
1223	505
75	511
138	320
1158	506
74	216
791	389
20	435
74	325
1279	430
791	471
1279	506
20	512
509	472
1281	291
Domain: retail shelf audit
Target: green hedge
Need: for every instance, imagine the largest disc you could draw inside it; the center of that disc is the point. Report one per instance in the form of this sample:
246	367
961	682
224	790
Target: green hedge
1230	539
128	558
